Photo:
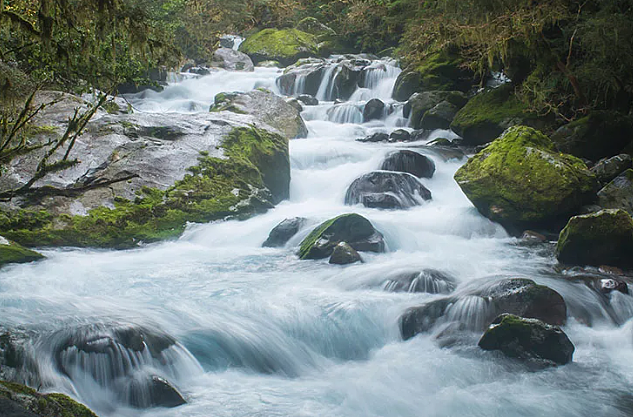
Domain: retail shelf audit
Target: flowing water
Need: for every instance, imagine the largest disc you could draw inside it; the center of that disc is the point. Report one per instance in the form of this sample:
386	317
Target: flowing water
256	332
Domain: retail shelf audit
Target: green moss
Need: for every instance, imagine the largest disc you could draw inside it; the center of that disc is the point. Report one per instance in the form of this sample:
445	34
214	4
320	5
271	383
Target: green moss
285	46
111	107
224	102
214	189
493	106
70	407
17	388
440	71
310	240
521	180
14	253
58	405
347	227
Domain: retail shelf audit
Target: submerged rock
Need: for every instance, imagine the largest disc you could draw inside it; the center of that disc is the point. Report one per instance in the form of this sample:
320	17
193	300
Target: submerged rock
20	401
376	137
267	107
13	253
232	60
410	162
344	254
520	181
283	45
603	238
602	134
528	340
618	194
489	114
428	281
387	190
153	391
478	307
283	232
354	229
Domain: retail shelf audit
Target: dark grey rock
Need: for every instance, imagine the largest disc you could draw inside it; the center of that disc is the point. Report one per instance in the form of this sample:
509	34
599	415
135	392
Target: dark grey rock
283	232
387	190
308	100
344	254
618	194
373	110
400	135
607	170
410	162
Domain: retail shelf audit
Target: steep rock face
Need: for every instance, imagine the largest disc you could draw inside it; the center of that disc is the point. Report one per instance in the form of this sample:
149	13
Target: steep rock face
283	45
528	340
602	134
488	114
521	181
355	230
603	238
265	106
142	177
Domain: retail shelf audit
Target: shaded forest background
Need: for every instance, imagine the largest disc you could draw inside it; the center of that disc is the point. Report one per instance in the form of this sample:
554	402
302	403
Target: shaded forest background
565	56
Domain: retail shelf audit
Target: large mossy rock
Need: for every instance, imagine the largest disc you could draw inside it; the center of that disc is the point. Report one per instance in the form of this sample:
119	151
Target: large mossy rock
489	114
354	229
528	340
283	45
143	177
618	194
20	401
521	181
265	106
13	253
602	134
439	71
602	238
476	308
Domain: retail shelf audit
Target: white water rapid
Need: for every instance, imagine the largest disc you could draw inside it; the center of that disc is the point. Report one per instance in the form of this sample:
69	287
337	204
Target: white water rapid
248	331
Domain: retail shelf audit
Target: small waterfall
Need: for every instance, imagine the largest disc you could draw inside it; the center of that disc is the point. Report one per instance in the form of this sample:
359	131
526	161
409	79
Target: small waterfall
345	113
471	310
299	86
326	89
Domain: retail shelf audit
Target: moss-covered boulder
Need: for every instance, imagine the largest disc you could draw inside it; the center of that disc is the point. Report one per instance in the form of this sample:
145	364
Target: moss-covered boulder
488	114
354	229
267	107
439	71
602	238
521	181
20	401
528	340
283	45
13	253
601	134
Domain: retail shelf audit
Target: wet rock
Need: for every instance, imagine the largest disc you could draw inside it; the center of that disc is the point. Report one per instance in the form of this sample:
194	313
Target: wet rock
400	135
443	143
153	391
602	134
373	110
608	285
440	106
410	162
356	230
419	135
618	194
283	232
304	77
387	190
13	253
603	238
344	254
478	307
376	137
265	106
489	114
533	238
232	60
606	170
283	45
20	401
308	100
295	103
521	181
428	281
528	340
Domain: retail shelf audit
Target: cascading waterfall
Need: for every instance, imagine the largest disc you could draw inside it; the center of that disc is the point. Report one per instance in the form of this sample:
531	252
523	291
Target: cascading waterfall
242	330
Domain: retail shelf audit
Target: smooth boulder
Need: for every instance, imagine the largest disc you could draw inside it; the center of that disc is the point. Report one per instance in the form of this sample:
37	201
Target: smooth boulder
373	110
521	181
528	340
410	162
602	238
232	60
283	232
400	135
354	229
618	194
475	308
344	254
387	190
